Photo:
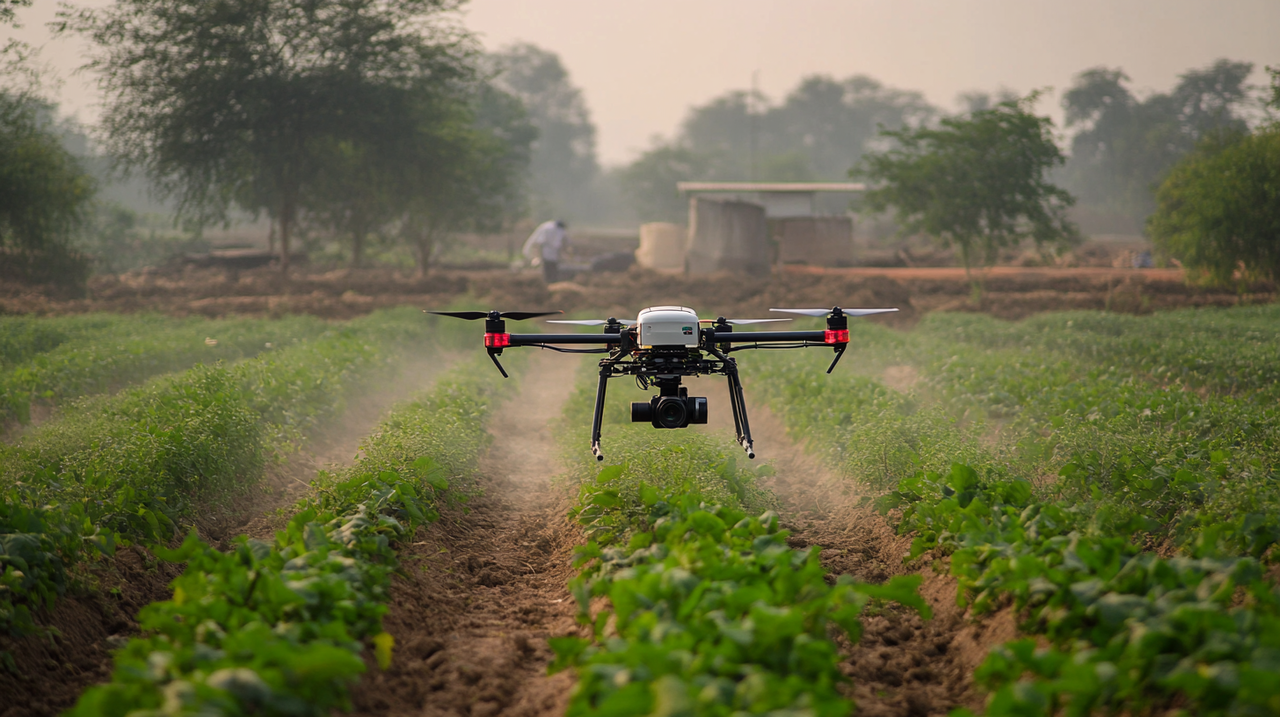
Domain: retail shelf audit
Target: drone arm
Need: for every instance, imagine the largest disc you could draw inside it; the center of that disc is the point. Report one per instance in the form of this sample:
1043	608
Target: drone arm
606	370
537	339
751	337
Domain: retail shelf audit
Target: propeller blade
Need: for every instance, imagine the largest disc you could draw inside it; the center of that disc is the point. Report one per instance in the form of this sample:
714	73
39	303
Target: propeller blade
522	315
513	315
866	312
464	315
823	312
591	322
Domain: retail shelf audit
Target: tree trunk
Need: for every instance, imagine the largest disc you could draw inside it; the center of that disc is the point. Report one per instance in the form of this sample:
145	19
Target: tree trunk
424	244
357	247
271	236
286	224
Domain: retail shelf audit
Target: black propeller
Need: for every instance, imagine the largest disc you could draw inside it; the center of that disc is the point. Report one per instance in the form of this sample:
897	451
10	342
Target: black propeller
819	313
513	315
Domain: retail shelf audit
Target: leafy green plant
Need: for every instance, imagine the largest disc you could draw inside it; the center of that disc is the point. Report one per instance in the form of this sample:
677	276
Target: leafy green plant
278	627
132	467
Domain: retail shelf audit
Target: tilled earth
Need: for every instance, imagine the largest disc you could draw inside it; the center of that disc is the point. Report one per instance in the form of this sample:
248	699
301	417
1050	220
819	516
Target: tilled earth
483	590
100	615
902	665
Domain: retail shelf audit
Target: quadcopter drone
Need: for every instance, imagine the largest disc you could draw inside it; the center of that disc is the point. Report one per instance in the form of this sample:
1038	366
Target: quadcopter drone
660	347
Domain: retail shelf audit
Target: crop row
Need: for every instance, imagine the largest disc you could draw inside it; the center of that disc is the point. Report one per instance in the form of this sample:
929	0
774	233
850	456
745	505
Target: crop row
1077	467
278	627
710	611
131	467
63	358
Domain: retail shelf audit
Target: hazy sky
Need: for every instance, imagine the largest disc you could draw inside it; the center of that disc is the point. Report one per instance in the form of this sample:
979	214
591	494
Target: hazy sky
642	64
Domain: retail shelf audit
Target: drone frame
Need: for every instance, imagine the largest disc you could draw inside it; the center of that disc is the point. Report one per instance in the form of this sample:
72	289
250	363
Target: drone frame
664	367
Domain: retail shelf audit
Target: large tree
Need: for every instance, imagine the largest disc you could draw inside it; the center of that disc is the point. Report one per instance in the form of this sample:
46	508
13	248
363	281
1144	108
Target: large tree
1124	145
468	175
977	182
816	133
563	167
1218	212
240	101
45	195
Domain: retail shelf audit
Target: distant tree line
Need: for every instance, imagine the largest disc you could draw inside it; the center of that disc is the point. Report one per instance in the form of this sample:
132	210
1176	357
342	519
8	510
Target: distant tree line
821	128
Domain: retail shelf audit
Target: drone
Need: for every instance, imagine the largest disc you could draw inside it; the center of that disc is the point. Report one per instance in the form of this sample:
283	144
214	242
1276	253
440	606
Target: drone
661	346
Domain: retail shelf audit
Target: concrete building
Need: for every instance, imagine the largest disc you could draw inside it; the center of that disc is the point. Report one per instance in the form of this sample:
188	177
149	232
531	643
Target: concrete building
798	215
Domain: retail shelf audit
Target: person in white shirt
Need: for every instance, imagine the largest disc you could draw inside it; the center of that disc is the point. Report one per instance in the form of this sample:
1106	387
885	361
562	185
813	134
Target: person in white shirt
545	244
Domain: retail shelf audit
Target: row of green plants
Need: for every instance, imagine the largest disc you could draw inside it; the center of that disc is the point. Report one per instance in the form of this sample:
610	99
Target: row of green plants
57	359
1048	471
710	611
278	627
135	466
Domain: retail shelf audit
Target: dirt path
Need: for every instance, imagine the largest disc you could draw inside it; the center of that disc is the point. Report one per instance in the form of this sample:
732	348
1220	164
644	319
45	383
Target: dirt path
53	671
483	591
903	665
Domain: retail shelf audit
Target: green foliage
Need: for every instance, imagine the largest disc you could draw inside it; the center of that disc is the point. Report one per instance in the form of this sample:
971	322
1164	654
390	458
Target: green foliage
1116	434
133	467
978	182
712	613
98	353
822	127
300	83
1219	210
44	196
562	166
278	627
1124	145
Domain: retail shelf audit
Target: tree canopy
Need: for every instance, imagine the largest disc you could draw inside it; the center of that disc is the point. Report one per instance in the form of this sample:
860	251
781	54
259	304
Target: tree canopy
283	106
1124	145
45	195
563	167
1218	212
816	133
978	182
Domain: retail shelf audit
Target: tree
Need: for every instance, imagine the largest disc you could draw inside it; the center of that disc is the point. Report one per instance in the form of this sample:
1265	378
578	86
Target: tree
237	101
1123	146
468	174
563	165
650	181
1218	212
45	196
976	182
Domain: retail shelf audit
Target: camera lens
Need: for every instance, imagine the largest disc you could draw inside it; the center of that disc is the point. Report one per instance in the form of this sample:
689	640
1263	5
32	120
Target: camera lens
641	412
671	412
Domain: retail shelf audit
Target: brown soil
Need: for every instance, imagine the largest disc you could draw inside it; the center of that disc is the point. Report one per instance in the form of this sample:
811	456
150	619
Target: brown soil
902	665
100	615
1009	292
482	591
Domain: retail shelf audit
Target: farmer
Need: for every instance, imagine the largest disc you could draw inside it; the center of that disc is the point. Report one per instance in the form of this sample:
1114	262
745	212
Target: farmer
545	244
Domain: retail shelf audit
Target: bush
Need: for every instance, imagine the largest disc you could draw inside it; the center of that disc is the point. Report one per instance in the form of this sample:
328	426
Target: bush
1219	210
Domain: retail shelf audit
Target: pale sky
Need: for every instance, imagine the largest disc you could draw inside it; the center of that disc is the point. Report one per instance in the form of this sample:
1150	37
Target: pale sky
642	64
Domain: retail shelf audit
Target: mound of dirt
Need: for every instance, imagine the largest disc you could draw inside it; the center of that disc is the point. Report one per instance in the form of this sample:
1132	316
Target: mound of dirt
1009	292
481	591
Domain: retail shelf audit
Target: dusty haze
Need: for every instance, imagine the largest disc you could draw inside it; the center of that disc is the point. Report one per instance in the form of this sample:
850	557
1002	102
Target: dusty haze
642	65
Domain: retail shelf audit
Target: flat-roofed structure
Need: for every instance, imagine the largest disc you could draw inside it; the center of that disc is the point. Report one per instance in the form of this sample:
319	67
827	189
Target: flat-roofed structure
804	233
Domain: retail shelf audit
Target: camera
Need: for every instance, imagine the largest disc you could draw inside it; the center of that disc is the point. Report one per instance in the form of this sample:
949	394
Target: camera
670	411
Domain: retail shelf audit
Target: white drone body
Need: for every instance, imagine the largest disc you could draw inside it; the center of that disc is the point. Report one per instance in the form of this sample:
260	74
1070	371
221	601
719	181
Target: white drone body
668	326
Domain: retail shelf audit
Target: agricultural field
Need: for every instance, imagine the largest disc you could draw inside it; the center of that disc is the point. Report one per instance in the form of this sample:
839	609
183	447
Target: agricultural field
1074	513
